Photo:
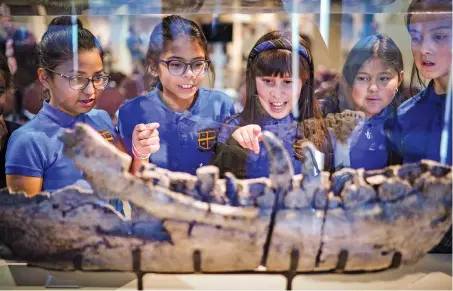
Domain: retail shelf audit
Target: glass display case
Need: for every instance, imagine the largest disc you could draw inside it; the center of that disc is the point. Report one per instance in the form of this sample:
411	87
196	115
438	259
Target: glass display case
362	136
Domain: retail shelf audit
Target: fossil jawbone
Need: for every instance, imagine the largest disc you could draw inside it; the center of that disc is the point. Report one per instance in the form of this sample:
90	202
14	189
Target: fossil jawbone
350	221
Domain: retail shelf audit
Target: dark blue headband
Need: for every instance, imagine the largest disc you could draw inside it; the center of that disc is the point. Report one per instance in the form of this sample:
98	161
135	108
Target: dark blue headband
279	44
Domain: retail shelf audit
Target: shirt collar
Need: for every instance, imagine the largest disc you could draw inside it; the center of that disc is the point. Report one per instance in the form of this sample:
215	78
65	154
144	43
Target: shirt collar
431	96
386	112
192	110
58	116
285	120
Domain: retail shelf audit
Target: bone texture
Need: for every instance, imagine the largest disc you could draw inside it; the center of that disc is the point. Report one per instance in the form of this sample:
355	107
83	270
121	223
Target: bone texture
342	124
352	220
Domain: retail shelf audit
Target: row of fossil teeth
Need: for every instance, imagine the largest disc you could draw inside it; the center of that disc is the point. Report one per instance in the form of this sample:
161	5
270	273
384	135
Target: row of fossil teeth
347	187
372	216
206	199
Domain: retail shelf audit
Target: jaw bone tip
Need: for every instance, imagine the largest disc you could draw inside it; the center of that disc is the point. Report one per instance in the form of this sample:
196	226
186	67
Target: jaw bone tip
268	135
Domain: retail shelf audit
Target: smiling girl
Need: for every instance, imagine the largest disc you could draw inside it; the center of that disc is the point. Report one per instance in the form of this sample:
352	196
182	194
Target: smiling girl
189	116
269	106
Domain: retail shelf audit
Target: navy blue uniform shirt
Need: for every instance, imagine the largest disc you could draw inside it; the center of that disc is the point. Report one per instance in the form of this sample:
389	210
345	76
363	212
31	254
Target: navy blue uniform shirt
286	129
416	132
368	143
35	150
186	138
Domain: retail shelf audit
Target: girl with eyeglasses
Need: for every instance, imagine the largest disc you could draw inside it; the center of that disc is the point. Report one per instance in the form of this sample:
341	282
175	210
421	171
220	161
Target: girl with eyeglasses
72	80
189	116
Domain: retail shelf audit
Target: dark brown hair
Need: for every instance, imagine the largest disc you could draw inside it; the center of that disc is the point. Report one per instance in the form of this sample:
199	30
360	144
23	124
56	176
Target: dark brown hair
277	62
424	6
56	46
164	33
374	46
5	72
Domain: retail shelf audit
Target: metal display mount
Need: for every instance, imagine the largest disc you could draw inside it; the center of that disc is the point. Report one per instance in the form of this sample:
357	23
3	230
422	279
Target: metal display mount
289	275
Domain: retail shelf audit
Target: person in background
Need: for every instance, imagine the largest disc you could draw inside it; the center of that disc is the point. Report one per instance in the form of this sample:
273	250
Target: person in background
326	90
24	53
239	103
135	46
6	127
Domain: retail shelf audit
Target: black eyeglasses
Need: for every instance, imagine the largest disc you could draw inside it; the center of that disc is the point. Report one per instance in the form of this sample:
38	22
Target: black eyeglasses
178	68
80	82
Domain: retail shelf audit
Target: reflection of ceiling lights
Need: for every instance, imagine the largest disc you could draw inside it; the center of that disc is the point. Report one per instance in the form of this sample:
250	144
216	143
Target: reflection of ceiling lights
244	18
382	2
366	6
96	2
4	10
372	2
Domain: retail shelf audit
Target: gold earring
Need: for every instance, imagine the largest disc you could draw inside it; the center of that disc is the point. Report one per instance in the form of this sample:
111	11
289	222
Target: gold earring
152	72
45	94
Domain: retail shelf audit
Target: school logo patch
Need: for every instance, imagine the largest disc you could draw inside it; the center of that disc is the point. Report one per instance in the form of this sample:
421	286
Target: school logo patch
206	139
298	149
107	136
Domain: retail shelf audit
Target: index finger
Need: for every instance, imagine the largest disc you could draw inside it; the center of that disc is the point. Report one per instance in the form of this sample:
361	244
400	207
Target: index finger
152	126
260	136
254	140
140	127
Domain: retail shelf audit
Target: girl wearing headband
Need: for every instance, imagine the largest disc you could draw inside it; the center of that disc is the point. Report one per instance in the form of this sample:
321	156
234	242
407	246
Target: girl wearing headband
268	106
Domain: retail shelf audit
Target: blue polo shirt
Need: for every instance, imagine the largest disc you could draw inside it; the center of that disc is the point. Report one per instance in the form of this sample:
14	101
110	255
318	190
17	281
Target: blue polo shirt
286	129
186	138
34	149
368	143
417	132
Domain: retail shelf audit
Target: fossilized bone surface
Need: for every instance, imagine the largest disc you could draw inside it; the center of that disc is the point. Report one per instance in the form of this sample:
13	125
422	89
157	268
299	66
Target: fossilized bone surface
352	220
342	124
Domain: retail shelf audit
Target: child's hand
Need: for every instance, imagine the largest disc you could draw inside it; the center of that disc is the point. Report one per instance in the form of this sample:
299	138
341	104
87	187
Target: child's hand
145	140
249	137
